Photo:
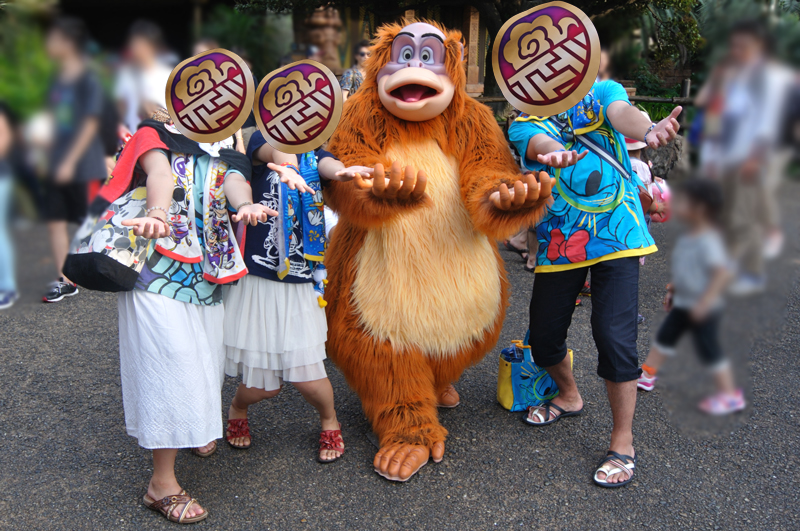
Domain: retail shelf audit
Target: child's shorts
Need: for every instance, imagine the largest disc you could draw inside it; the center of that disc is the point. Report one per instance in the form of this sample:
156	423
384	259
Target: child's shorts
705	335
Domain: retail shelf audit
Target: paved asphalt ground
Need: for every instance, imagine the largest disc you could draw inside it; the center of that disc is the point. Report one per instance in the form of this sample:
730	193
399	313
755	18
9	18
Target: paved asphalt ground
66	462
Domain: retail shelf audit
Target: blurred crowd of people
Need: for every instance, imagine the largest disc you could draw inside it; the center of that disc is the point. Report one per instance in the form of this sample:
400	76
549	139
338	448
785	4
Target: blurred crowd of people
746	142
66	152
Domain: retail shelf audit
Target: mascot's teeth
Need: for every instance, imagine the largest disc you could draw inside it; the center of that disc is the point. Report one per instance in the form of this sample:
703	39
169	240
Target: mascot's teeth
412	93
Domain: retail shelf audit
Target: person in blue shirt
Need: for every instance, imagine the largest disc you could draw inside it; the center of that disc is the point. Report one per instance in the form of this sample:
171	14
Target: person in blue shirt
595	223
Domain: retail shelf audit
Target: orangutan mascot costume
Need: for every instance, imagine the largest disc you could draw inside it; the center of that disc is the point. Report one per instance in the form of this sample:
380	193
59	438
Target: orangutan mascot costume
417	290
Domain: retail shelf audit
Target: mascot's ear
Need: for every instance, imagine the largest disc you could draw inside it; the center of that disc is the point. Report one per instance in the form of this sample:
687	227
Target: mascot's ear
454	58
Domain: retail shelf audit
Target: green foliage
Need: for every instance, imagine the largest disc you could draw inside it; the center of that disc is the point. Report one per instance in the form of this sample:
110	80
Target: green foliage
782	18
265	38
674	30
25	69
648	84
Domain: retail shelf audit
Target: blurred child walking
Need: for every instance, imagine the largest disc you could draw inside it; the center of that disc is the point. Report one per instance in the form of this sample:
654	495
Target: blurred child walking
700	274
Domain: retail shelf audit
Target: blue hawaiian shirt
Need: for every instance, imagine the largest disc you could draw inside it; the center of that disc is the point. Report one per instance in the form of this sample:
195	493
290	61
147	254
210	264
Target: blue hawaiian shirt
596	214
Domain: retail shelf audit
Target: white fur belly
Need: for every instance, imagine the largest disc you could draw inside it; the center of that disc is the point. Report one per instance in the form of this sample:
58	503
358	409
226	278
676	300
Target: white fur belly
428	279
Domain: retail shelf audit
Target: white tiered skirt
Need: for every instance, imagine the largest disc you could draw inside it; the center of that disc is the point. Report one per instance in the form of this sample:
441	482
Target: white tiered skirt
274	332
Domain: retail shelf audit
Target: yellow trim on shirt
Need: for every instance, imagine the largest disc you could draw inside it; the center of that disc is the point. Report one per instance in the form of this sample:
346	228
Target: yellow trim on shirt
586	263
529	118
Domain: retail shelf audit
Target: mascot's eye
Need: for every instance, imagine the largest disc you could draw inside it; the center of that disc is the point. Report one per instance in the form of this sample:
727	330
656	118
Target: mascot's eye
406	53
426	55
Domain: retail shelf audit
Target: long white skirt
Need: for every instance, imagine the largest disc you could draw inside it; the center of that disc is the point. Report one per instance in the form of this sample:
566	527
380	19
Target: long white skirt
172	362
274	332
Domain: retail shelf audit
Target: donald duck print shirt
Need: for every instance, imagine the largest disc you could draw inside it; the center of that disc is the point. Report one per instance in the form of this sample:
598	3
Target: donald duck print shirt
286	248
596	213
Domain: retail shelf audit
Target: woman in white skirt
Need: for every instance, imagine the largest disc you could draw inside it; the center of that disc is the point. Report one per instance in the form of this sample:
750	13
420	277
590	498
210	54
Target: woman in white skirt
275	325
172	354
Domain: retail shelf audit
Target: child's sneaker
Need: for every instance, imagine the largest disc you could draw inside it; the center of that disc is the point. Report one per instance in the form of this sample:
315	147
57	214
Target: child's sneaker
723	403
646	383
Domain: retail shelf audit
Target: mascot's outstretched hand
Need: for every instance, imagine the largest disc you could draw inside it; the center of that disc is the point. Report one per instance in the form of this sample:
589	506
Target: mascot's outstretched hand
401	184
524	194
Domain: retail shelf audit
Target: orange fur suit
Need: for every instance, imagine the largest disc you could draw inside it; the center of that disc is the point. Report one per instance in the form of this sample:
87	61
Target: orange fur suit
417	289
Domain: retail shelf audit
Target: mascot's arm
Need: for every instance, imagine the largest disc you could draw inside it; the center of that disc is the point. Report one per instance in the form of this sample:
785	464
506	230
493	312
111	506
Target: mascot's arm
485	164
356	144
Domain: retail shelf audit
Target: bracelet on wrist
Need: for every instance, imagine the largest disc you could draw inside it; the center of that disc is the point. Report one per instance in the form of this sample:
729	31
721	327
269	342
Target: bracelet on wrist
151	209
292	166
649	130
246	203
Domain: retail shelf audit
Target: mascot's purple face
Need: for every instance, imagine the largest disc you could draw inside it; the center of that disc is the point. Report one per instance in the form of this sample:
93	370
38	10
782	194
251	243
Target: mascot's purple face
414	84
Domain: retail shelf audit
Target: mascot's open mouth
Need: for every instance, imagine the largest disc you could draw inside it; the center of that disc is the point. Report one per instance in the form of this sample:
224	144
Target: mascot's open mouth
413	92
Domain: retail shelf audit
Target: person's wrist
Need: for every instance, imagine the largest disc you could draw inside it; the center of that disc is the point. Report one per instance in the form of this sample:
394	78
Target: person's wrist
159	218
151	213
292	166
244	204
649	130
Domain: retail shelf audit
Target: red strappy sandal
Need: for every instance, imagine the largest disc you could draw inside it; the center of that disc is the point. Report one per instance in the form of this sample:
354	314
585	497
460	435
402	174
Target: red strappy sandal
238	428
331	440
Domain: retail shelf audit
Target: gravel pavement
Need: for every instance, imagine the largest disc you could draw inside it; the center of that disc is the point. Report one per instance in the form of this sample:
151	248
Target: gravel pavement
66	462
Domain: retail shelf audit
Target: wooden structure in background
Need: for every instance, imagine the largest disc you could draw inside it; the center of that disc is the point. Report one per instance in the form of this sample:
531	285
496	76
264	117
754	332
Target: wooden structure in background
358	24
324	31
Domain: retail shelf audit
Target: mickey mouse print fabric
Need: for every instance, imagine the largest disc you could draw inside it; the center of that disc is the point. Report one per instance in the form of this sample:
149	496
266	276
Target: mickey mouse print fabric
596	214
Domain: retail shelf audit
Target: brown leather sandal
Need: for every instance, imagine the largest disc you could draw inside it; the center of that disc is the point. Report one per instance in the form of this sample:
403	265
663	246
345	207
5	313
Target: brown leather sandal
331	440
209	453
166	505
238	428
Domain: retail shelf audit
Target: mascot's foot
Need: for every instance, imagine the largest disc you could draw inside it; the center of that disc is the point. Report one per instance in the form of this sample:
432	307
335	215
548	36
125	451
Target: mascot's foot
398	462
449	397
